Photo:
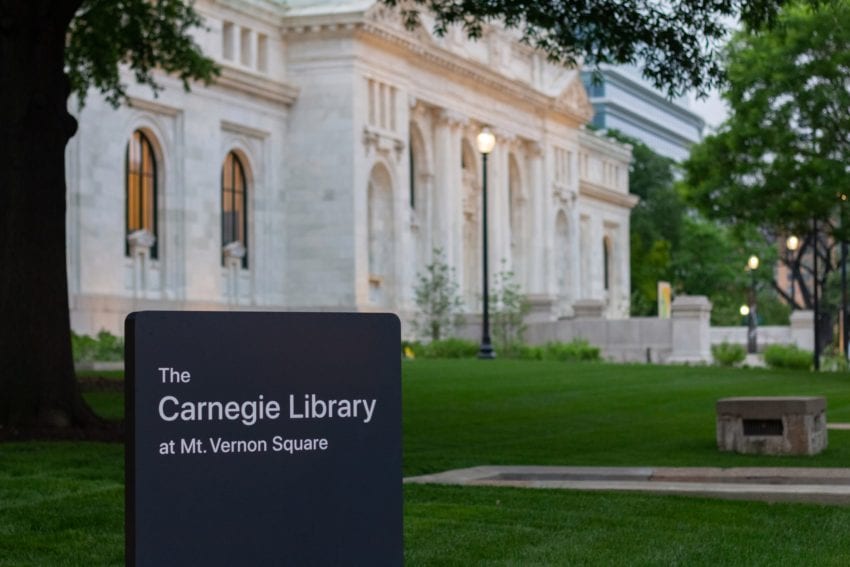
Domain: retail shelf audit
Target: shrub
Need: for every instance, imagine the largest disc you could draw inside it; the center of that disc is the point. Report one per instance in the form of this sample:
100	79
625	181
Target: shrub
787	356
437	299
106	347
726	354
509	308
575	350
832	360
528	352
449	348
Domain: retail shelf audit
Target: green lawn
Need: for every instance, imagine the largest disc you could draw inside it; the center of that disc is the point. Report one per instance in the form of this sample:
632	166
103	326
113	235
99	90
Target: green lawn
62	503
449	525
466	413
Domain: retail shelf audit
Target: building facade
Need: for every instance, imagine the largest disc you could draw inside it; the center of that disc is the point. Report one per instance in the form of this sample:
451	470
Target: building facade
623	100
329	160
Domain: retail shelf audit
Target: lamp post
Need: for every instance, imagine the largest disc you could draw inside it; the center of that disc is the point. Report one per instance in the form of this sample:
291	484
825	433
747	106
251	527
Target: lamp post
816	299
791	245
752	265
486	141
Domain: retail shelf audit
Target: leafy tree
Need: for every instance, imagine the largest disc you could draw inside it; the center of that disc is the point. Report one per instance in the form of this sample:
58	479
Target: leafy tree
779	162
509	308
673	243
711	260
49	48
437	299
655	225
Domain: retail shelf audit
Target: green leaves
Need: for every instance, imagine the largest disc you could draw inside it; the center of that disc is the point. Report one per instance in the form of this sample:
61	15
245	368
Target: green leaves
437	299
140	35
780	159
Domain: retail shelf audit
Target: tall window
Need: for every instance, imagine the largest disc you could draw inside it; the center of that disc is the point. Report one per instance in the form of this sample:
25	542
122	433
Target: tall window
234	213
606	259
140	168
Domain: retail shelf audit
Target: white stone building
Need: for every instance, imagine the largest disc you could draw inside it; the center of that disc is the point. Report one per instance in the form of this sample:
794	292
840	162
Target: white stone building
334	153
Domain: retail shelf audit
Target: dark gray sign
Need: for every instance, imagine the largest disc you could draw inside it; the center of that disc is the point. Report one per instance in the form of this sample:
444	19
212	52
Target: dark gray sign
263	439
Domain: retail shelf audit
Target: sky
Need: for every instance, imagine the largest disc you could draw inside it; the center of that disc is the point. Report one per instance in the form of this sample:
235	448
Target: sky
712	109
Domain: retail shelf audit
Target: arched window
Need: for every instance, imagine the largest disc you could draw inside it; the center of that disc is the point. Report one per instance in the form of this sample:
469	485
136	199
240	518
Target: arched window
140	180
234	212
381	243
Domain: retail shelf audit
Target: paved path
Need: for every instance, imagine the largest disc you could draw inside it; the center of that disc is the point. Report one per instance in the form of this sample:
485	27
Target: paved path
821	485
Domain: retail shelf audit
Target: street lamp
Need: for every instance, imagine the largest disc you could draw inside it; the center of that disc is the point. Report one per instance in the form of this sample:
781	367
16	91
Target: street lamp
791	245
752	265
486	142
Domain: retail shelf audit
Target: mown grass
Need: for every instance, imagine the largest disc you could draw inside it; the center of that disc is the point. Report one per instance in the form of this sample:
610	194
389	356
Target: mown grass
62	503
469	412
447	525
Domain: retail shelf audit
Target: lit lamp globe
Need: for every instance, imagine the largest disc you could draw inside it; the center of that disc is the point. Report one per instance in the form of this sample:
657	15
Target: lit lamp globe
486	141
744	310
753	262
792	243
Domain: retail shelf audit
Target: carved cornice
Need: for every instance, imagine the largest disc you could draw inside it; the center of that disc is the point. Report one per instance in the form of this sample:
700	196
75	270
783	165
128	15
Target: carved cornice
451	117
590	140
534	148
257	86
374	26
154	107
266	10
381	142
243	130
478	72
563	195
600	193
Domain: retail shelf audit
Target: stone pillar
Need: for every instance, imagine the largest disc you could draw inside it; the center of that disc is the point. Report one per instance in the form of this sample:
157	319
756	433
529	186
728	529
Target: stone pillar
536	200
443	189
803	329
691	319
140	243
233	255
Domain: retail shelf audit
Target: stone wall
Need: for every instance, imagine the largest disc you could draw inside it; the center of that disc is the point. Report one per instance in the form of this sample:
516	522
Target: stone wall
800	333
686	337
683	338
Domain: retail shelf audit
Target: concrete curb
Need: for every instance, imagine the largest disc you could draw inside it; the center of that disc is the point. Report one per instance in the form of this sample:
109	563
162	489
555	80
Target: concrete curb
818	485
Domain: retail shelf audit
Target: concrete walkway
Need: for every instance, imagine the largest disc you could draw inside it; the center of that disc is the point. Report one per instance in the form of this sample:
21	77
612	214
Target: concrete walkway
819	485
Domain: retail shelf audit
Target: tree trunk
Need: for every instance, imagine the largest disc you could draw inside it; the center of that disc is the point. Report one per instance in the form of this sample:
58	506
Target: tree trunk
37	382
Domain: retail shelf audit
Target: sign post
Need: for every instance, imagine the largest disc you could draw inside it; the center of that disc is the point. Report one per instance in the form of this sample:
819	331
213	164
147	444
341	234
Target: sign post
251	441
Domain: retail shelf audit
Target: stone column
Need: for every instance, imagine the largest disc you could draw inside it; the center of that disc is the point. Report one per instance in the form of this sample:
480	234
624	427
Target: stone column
140	242
233	255
536	200
444	190
691	320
